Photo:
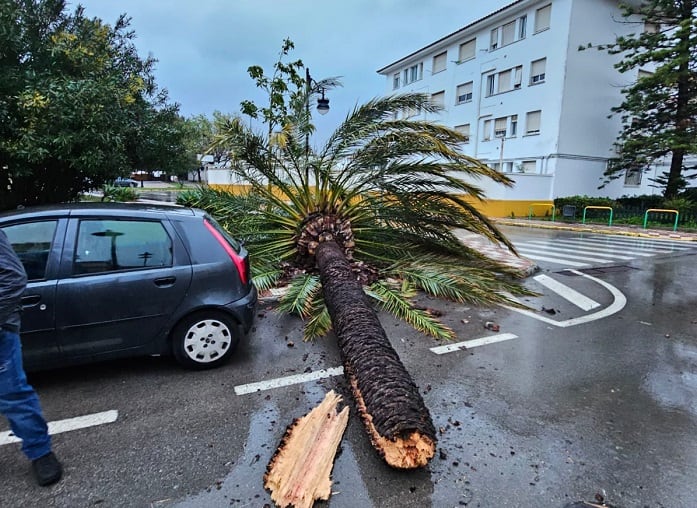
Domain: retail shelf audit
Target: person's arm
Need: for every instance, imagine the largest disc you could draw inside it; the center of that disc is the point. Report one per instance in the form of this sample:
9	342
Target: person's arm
13	279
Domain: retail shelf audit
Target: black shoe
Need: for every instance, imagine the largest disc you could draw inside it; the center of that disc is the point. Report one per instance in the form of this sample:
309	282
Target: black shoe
47	469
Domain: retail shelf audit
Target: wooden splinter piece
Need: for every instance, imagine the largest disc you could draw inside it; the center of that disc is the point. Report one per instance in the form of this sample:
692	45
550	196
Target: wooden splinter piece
299	472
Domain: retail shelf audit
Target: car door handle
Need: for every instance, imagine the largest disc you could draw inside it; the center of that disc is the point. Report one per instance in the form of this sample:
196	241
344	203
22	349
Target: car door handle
165	281
31	300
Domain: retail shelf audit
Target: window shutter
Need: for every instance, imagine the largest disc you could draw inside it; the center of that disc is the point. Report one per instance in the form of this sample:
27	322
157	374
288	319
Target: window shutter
532	122
504	81
542	17
439	62
438	98
508	33
517	76
467	50
464	93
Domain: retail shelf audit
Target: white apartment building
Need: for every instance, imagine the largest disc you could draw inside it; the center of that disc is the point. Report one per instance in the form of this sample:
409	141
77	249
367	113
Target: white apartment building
532	104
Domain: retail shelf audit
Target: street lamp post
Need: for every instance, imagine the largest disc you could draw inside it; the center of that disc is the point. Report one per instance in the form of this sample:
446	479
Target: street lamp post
322	103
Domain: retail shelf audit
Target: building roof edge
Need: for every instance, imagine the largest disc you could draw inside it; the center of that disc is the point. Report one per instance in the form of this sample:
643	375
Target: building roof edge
456	32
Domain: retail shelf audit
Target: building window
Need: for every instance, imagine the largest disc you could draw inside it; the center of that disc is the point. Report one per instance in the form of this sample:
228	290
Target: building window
395	81
439	62
508	33
522	27
528	166
494	42
467	50
542	17
500	127
413	73
490	82
537	71
464	93
504	81
486	130
633	177
438	98
532	122
514	125
464	129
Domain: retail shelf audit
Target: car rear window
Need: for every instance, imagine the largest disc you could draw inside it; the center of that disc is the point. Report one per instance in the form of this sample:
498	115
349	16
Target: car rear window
112	245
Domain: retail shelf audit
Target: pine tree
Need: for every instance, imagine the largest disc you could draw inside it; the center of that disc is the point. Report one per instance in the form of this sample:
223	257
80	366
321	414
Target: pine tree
659	111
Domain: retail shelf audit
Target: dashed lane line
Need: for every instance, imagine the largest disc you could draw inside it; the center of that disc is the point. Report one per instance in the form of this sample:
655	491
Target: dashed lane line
288	380
469	344
60	426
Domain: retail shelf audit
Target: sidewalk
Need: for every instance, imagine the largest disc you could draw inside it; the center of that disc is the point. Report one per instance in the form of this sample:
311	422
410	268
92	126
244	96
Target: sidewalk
525	267
635	231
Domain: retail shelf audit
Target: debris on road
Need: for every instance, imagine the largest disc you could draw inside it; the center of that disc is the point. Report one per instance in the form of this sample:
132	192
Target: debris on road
299	473
490	325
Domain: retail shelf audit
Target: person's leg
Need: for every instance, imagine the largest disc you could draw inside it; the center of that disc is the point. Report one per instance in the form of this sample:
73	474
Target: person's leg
18	401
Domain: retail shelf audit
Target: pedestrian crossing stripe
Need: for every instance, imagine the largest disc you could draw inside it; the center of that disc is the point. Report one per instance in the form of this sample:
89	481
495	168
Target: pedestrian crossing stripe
579	300
547	246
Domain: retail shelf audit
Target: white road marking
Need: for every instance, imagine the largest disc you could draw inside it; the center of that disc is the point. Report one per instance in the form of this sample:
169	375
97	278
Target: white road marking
569	294
527	250
469	344
288	380
644	242
557	261
550	247
617	305
59	426
635	251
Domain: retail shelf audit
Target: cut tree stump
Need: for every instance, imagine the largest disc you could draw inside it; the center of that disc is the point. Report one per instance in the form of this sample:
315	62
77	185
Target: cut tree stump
299	472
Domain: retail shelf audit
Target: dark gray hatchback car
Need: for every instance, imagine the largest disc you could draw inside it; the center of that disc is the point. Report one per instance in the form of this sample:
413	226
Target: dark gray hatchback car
118	280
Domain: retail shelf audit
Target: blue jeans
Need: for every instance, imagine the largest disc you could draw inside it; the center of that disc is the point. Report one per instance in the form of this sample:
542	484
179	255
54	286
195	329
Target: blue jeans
18	400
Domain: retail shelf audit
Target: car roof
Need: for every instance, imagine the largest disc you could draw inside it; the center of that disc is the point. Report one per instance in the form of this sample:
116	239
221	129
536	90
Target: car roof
112	209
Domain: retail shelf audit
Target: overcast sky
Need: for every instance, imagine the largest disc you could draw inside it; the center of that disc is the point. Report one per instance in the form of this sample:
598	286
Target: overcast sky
204	47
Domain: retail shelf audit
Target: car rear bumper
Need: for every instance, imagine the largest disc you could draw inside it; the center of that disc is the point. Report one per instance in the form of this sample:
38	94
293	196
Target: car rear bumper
245	309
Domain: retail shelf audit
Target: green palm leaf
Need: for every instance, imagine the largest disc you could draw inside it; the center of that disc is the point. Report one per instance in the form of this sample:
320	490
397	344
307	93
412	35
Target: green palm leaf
398	302
299	298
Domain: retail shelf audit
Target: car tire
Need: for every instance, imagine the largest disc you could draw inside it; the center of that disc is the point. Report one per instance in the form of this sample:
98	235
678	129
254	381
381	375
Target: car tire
205	340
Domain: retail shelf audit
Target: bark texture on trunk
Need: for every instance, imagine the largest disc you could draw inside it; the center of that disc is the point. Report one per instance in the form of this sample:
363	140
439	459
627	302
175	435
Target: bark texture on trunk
299	472
388	400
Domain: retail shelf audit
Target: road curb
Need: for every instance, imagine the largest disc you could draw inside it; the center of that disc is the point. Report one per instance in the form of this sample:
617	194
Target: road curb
611	230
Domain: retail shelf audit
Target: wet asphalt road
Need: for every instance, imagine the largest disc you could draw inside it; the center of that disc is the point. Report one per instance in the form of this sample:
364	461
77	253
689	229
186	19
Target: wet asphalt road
552	416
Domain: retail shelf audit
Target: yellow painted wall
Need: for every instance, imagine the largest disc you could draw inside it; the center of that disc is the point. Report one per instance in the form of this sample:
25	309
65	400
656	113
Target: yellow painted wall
490	208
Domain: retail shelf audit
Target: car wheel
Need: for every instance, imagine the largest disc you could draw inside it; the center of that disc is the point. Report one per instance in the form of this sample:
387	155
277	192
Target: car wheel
204	340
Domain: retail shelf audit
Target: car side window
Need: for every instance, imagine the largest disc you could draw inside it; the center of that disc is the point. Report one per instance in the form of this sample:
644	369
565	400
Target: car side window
32	242
115	245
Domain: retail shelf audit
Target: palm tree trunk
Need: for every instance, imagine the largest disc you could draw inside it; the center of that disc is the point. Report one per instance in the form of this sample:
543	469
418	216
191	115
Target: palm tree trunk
388	400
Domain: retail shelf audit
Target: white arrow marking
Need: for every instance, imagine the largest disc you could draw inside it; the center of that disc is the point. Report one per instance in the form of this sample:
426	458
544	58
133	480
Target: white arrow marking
59	426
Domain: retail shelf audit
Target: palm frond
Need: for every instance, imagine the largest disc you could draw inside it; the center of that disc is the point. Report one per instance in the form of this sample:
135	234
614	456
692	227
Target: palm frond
299	297
266	276
318	322
398	303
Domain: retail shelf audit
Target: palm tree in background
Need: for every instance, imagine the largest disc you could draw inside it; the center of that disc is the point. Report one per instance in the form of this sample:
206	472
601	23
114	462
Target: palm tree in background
367	221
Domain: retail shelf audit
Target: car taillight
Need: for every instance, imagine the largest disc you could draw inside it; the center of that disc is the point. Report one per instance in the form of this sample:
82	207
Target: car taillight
240	264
